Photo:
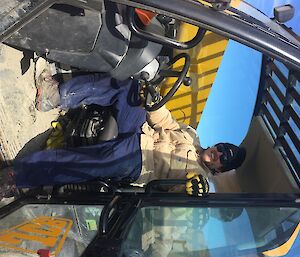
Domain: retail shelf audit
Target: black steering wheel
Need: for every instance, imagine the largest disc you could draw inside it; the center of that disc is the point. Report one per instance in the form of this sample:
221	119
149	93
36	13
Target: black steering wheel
152	97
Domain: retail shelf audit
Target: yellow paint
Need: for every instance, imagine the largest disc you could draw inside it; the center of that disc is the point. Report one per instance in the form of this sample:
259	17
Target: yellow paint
16	238
38	229
48	232
284	248
188	103
235	3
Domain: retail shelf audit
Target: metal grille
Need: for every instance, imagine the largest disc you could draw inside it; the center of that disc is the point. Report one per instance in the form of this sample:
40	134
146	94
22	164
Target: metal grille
279	107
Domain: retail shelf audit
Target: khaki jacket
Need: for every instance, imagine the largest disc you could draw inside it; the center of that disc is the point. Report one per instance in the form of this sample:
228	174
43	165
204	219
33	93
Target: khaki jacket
169	148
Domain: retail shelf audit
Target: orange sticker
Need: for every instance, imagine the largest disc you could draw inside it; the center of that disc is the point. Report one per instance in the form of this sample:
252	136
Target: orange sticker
39	233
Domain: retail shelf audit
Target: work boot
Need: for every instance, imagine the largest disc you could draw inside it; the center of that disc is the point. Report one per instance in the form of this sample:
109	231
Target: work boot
47	97
7	183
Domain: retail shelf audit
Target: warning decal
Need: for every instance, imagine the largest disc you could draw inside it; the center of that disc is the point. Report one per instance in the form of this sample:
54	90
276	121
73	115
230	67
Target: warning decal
40	233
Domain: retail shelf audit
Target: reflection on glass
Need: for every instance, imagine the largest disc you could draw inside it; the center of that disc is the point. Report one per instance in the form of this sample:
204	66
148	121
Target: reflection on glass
226	231
64	230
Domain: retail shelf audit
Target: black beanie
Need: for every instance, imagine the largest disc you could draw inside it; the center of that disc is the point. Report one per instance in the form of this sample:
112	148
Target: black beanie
235	156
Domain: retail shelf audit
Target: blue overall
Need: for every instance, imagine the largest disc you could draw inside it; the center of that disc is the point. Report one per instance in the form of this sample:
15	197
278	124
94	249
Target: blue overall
118	159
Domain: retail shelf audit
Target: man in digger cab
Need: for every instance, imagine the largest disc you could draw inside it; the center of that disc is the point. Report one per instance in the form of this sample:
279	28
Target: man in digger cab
149	145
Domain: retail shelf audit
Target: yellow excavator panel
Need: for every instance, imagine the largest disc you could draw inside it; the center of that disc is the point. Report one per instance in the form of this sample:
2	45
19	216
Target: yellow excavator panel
188	103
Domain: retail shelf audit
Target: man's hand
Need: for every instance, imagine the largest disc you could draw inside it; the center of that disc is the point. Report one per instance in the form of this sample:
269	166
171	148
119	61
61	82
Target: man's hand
196	184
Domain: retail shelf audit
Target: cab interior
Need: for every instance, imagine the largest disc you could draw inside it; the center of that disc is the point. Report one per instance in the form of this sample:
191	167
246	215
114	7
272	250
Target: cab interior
81	220
272	144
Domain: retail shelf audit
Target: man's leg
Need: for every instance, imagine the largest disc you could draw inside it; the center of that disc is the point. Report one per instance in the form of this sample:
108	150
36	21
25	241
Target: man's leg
103	90
100	89
129	114
97	88
7	183
117	159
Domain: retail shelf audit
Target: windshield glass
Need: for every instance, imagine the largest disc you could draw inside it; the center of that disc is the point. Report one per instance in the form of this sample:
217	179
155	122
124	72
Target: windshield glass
230	231
64	230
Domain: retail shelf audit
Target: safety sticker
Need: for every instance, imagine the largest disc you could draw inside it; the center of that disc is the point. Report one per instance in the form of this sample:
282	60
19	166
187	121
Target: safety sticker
91	224
40	233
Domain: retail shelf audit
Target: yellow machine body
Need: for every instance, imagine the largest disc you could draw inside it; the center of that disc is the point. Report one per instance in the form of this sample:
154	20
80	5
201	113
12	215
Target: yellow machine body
188	103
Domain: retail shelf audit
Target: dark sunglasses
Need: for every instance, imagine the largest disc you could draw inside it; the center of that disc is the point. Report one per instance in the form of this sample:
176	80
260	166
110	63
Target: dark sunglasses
224	158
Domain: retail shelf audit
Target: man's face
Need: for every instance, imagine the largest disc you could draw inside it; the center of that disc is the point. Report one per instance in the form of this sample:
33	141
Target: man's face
211	158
